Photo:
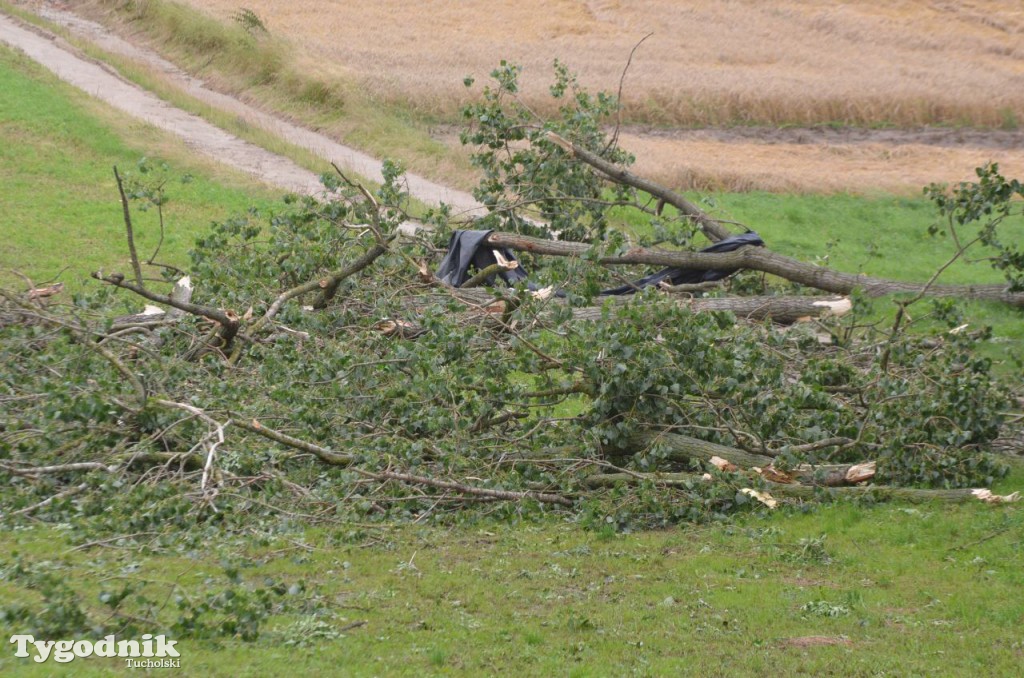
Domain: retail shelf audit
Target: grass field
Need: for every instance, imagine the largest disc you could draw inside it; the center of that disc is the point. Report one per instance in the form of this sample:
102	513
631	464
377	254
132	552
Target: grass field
844	589
57	189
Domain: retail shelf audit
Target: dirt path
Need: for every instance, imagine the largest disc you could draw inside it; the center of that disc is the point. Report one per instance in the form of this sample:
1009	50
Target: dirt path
101	82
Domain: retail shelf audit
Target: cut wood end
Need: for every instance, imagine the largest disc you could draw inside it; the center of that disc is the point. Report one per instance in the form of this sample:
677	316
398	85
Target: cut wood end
774	475
41	292
722	464
256	424
836	307
544	293
185	282
858	473
763	497
497	308
560	141
152	310
989	498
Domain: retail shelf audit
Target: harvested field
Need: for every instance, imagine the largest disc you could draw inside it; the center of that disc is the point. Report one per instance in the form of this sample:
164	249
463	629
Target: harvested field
920	91
708	63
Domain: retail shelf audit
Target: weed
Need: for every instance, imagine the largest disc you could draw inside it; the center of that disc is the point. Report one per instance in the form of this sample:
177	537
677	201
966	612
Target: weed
250	21
823	608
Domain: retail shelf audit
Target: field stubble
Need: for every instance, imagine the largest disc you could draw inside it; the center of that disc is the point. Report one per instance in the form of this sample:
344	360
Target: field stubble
735	64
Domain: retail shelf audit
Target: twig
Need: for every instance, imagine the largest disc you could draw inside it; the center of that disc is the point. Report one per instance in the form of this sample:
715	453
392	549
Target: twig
60	495
61	468
990	535
136	266
618	97
102	542
324	454
353	625
211	454
506	495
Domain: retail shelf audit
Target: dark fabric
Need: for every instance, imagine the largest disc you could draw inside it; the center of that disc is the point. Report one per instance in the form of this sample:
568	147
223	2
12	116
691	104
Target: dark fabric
468	250
685	276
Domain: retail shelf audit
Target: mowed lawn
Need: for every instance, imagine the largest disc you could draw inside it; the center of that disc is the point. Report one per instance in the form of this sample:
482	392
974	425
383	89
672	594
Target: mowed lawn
60	214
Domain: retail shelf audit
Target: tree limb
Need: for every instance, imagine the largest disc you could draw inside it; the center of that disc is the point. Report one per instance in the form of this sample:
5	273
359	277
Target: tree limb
759	259
136	266
711	228
322	453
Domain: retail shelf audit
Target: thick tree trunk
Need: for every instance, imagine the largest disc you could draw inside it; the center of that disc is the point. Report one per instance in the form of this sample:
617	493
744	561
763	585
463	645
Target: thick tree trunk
682	448
910	494
760	259
783	309
826	475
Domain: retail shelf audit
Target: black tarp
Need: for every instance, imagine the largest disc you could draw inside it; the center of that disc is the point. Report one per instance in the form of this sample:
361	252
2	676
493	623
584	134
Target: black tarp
469	249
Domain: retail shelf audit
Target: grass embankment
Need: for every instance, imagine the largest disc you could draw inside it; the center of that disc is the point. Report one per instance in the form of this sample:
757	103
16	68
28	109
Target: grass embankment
60	201
839	590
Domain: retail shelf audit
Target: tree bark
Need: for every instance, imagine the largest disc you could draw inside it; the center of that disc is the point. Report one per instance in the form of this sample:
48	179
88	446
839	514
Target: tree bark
760	259
909	494
711	228
784	310
781	309
684	449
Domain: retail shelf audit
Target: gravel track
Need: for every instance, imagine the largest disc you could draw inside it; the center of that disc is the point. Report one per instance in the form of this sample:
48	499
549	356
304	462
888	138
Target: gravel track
100	81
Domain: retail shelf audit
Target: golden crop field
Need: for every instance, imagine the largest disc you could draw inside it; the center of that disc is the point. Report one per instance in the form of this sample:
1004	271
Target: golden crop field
709	61
878	63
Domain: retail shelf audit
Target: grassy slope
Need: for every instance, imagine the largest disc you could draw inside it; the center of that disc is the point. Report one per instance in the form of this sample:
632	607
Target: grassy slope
57	186
923	590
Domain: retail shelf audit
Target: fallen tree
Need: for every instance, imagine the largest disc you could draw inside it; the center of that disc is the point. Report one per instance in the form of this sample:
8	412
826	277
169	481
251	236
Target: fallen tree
316	366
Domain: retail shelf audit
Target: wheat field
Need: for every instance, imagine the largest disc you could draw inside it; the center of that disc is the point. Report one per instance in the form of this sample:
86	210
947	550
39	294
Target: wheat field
877	63
705	62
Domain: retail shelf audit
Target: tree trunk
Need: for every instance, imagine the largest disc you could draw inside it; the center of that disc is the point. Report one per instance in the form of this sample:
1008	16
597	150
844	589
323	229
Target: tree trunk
682	448
784	310
909	494
760	259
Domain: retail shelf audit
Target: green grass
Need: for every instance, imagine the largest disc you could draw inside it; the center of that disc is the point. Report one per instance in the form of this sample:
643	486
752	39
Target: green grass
262	66
882	236
929	590
57	190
